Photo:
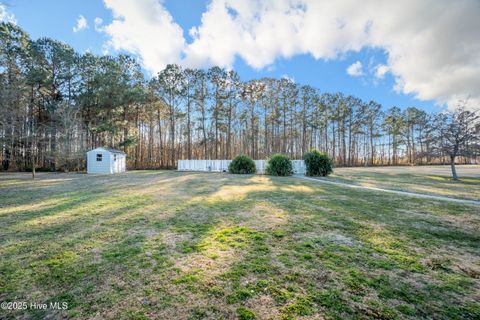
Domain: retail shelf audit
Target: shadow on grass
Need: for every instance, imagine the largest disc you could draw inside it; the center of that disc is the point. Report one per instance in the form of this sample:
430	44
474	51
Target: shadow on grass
108	247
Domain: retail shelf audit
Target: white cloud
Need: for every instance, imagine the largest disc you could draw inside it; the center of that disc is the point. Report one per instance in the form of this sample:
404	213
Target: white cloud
257	31
355	69
286	76
81	24
381	70
432	46
5	16
105	49
98	24
145	28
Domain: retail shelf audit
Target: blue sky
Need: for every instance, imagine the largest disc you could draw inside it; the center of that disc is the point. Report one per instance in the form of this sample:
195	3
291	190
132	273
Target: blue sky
56	19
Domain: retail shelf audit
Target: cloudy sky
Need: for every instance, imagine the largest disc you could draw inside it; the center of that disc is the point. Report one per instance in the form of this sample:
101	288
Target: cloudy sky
423	53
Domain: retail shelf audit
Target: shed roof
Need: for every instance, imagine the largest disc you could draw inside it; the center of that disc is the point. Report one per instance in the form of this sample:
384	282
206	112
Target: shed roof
112	150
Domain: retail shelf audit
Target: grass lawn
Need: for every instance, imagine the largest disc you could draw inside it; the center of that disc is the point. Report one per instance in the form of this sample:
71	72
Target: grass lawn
170	245
435	180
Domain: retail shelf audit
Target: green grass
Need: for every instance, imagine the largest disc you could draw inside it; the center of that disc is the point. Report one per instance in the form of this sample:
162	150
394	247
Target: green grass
434	180
159	244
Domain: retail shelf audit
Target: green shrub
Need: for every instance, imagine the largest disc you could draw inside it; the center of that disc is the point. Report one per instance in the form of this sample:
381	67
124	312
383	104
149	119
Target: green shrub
279	165
242	164
317	163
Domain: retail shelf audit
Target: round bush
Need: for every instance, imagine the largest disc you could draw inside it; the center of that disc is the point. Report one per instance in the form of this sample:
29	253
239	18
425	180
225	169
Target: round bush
279	165
317	163
242	164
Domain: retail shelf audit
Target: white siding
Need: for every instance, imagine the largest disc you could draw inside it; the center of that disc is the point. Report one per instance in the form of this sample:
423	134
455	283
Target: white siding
94	166
203	165
222	165
117	162
123	163
298	166
108	163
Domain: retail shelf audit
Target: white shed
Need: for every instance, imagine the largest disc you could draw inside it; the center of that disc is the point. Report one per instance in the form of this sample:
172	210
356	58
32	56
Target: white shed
106	160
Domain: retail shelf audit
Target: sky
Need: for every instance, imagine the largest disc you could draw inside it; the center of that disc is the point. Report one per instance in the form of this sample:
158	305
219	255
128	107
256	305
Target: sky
407	53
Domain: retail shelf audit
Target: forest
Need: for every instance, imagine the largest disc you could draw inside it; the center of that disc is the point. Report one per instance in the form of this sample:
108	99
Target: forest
56	104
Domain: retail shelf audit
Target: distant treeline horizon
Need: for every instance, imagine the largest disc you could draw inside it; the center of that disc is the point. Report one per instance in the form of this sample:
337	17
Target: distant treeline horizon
56	104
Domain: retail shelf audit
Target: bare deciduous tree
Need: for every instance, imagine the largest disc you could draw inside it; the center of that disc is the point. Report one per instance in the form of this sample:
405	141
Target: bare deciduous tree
460	134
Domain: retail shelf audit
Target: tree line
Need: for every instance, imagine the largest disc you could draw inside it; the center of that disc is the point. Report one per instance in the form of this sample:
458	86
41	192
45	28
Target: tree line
56	104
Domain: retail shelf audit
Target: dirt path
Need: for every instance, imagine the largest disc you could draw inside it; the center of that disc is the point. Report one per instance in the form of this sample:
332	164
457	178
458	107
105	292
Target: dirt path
405	193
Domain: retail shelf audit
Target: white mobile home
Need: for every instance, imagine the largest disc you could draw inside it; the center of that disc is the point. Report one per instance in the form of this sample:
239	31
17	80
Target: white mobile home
222	165
106	160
